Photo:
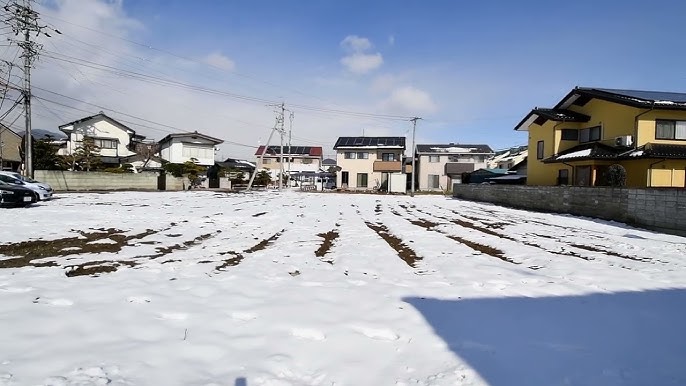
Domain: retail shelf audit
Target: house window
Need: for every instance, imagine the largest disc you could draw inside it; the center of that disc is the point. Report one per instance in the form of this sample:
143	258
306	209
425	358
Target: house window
362	155
539	150
349	155
266	160
563	177
388	157
307	161
106	143
570	135
362	180
590	134
434	158
670	129
434	181
190	151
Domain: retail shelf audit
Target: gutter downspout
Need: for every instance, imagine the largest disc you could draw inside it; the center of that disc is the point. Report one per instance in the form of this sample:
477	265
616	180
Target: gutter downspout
652	107
572	178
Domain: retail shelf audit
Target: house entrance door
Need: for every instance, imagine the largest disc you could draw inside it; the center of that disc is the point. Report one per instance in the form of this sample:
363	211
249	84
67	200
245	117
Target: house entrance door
344	179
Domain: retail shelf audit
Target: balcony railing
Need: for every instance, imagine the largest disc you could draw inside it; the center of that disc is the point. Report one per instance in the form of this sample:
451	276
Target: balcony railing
388	166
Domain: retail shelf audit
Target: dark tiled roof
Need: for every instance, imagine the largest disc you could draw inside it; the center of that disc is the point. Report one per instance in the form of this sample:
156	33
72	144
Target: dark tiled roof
657	150
561	115
103	116
586	151
446	148
329	161
557	114
191	134
314	151
660	100
398	142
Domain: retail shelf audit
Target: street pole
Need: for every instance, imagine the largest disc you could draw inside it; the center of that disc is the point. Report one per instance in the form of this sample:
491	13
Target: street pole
28	172
414	146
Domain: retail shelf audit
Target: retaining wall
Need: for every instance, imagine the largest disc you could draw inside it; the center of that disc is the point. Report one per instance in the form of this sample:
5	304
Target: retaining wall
662	209
80	181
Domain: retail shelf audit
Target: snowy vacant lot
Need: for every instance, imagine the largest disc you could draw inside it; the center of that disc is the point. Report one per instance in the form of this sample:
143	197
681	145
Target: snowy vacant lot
199	288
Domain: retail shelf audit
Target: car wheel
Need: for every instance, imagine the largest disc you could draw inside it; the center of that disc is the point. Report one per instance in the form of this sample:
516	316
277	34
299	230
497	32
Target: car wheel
36	196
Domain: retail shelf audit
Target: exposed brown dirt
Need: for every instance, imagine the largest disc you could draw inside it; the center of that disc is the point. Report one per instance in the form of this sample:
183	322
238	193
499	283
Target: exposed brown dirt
94	268
259	214
239	256
610	253
326	245
162	251
404	252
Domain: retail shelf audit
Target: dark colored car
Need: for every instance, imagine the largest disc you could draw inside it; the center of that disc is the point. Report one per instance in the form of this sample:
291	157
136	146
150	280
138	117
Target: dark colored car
14	195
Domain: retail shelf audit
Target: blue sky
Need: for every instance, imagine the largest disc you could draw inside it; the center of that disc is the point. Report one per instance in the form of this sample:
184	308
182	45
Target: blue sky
471	69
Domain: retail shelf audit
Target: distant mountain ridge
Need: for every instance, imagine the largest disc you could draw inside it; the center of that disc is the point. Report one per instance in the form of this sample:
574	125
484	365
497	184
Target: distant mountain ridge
41	133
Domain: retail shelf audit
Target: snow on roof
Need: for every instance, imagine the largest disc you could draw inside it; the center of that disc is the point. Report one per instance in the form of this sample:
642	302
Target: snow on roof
636	153
246	163
576	154
454	149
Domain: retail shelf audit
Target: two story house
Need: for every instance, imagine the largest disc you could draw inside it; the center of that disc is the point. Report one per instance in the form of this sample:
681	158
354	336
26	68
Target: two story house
181	147
592	128
296	159
506	159
441	165
10	143
114	139
368	163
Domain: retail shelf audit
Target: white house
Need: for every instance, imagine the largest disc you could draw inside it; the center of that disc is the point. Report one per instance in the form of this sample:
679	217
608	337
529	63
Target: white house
507	159
369	163
181	147
297	160
439	166
114	139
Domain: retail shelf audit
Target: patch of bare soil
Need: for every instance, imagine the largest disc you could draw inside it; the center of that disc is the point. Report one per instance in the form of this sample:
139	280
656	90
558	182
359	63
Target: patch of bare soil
162	251
326	245
404	252
377	208
89	242
239	256
610	253
259	214
95	268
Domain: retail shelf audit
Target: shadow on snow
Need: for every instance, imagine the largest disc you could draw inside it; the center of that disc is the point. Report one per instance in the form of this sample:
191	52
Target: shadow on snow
625	338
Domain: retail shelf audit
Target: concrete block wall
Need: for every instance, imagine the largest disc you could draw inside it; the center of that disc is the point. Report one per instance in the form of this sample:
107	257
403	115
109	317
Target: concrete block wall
662	209
81	181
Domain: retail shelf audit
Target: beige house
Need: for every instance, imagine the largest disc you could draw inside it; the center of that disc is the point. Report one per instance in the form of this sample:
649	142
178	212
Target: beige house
441	165
369	163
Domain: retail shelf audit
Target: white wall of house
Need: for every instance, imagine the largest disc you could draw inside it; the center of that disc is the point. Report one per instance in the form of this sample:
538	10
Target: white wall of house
361	166
112	139
434	165
299	163
181	149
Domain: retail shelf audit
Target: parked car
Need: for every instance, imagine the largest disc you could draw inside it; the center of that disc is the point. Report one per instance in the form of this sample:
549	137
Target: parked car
15	195
43	191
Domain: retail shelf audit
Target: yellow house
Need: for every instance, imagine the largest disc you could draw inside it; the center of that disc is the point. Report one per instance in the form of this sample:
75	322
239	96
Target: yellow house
590	129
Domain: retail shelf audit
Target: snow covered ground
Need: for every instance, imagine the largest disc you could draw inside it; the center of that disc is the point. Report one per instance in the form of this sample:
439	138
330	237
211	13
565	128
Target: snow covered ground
203	288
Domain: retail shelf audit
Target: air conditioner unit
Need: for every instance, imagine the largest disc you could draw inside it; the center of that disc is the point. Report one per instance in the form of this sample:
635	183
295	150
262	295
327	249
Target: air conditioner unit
624	140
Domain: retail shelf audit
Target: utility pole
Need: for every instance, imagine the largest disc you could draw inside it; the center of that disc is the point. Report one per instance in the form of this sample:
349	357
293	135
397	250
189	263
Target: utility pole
290	133
24	21
282	132
414	148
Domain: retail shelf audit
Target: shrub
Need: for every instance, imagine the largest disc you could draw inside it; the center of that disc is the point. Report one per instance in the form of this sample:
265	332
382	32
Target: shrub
616	175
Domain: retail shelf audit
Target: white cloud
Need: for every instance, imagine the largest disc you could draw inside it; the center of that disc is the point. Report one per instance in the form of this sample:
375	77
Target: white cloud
410	100
354	43
360	63
219	60
391	40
